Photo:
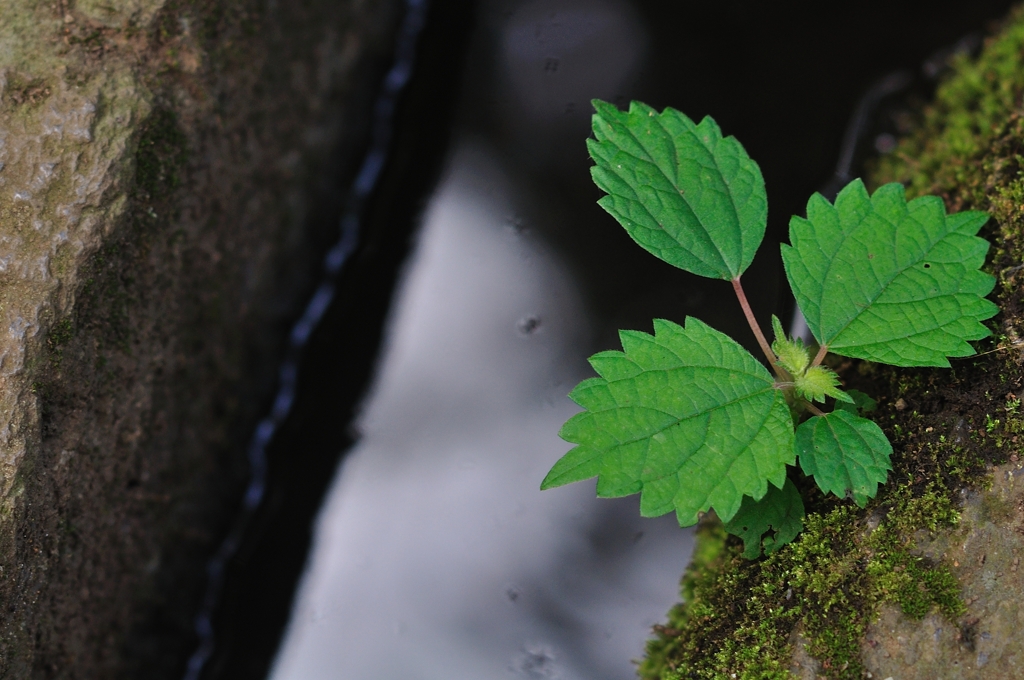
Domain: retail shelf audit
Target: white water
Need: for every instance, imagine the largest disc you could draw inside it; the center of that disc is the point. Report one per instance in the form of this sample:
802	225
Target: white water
436	556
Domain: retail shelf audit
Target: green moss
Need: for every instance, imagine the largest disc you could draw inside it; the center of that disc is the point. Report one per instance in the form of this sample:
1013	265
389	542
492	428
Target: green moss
969	110
740	619
161	154
709	555
739	616
21	90
92	39
60	334
906	579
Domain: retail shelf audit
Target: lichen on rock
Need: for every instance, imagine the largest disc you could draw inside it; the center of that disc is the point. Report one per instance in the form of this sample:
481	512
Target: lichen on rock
117	13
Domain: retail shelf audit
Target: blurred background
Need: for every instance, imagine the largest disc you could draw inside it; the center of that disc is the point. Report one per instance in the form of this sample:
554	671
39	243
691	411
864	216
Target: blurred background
404	513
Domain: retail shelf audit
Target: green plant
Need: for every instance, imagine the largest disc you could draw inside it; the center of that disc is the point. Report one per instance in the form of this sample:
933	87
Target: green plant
692	421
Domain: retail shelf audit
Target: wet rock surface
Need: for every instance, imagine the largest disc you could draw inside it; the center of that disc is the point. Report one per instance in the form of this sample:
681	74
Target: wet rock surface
168	173
985	552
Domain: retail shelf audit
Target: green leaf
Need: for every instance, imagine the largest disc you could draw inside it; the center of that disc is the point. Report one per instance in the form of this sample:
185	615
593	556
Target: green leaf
860	405
686	417
681	190
780	515
792	354
819	382
890	281
847	455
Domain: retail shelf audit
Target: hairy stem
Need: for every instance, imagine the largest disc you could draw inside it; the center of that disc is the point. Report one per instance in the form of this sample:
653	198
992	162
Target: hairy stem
761	340
814	409
820	356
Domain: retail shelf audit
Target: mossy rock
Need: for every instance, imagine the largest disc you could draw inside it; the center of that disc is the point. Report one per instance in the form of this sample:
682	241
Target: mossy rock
925	582
167	172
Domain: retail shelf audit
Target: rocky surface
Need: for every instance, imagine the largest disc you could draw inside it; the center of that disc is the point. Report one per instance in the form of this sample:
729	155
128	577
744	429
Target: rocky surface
169	170
985	552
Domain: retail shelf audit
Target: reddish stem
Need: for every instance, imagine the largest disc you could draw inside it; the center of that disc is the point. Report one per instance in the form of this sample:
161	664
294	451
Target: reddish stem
765	347
814	409
820	356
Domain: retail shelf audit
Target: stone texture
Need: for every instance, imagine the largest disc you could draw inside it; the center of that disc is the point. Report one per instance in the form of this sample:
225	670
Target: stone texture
985	551
63	188
117	13
168	173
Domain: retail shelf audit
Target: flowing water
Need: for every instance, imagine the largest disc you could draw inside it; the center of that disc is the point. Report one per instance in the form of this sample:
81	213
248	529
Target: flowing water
435	537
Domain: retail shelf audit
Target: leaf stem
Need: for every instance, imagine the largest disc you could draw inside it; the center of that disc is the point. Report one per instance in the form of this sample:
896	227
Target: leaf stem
814	409
761	340
820	356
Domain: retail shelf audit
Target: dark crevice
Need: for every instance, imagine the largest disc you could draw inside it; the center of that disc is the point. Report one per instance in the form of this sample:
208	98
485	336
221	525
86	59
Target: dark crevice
338	361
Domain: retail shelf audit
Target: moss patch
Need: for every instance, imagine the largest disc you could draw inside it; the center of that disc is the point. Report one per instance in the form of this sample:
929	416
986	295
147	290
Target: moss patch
23	90
740	616
743	619
161	154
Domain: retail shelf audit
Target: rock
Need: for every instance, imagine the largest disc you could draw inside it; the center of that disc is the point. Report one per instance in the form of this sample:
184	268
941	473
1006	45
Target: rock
984	552
118	13
168	172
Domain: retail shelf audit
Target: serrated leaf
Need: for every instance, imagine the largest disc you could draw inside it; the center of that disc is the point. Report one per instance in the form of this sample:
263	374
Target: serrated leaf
890	281
860	404
780	334
682	191
771	522
846	454
819	382
792	354
686	417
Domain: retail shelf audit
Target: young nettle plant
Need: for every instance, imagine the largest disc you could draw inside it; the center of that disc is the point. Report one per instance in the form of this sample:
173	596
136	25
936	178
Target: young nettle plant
692	421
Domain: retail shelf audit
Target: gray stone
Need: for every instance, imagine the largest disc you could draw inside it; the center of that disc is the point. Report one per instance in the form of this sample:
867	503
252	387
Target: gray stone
159	170
985	551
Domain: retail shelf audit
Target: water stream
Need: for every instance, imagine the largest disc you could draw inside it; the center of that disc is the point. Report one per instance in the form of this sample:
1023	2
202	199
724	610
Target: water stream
435	537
